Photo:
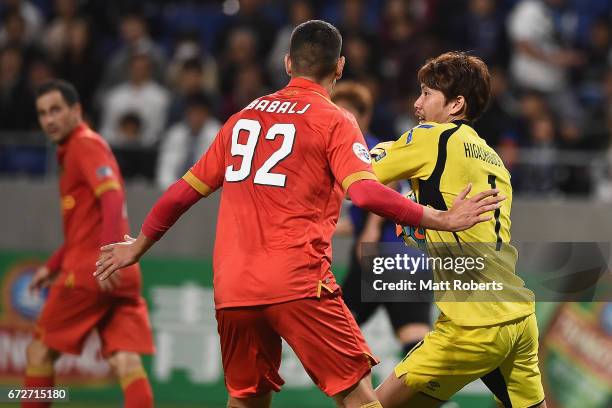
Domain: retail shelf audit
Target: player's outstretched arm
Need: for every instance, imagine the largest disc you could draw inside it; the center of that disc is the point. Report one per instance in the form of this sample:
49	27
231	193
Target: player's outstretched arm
379	199
121	254
167	210
465	213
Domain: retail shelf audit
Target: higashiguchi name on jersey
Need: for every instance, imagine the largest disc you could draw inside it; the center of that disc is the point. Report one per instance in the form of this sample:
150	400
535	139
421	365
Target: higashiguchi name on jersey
440	160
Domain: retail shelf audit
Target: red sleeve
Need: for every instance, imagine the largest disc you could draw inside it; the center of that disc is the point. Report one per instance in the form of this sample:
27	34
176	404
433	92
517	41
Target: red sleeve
111	204
381	200
348	156
54	263
97	164
172	204
207	174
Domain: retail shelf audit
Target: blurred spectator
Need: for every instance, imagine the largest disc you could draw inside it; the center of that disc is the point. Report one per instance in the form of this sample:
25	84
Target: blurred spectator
299	11
481	30
405	118
497	125
538	69
549	140
130	128
382	120
249	17
136	40
601	128
140	95
531	105
189	81
353	21
539	60
190	58
241	51
13	98
538	176
31	16
14	34
361	58
38	73
187	140
404	50
599	57
57	33
134	161
79	63
249	86
598	126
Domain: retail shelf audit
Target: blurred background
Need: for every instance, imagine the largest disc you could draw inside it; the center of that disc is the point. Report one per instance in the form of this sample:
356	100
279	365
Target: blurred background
158	78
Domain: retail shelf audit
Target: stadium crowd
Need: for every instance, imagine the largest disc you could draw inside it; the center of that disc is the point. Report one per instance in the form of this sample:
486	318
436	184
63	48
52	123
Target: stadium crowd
157	78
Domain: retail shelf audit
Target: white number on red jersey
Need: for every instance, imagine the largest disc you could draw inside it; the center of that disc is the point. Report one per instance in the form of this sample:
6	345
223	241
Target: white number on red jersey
263	175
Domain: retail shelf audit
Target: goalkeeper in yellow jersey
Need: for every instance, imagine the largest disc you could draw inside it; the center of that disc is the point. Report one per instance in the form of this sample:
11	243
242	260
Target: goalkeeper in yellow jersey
497	339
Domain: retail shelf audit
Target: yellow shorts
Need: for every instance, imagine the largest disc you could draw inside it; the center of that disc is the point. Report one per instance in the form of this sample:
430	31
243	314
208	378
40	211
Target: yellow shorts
505	356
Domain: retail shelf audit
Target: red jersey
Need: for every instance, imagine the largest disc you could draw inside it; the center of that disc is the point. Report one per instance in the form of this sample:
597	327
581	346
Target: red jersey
284	163
88	169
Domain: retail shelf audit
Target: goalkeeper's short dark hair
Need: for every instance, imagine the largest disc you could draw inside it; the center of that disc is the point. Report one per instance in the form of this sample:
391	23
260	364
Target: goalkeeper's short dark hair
315	49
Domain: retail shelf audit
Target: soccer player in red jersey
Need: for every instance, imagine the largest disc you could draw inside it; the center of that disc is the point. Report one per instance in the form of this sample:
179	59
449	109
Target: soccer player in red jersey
285	162
93	211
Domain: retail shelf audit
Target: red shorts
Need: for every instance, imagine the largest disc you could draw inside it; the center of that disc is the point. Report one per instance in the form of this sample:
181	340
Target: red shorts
322	333
70	314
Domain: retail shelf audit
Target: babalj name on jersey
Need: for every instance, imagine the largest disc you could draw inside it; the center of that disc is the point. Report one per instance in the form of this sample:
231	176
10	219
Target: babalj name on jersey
265	105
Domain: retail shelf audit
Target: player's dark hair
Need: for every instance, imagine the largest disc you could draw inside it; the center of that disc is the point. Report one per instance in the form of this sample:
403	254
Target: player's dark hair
130	119
198	100
66	89
134	13
457	73
315	48
355	94
192	64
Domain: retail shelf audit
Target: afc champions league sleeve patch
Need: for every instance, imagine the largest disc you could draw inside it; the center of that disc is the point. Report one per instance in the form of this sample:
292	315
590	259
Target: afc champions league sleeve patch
104	172
362	153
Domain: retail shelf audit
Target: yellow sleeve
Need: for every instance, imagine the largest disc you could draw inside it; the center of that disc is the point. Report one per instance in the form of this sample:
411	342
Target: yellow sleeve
197	184
413	155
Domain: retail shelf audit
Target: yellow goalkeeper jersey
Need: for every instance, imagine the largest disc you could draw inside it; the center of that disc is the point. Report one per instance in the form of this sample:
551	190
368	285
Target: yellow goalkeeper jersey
440	160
